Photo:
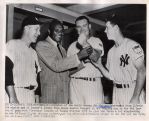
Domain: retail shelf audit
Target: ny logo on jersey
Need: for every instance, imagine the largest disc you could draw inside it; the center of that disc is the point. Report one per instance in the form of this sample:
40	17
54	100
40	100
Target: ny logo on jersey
124	60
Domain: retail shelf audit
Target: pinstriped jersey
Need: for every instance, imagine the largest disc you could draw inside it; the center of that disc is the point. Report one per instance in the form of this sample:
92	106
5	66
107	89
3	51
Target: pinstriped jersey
121	61
25	62
89	70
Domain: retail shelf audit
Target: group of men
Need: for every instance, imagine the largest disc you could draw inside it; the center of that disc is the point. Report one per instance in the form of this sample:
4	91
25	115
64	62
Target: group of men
73	77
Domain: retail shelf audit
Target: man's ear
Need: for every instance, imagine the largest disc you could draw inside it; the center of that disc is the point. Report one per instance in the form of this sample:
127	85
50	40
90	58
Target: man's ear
26	28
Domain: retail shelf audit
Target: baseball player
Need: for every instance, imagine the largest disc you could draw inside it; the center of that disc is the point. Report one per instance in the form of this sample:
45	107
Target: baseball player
9	83
125	66
85	84
25	62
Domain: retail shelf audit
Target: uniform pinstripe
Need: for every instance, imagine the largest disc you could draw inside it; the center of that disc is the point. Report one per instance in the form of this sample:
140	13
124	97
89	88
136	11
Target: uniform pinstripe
82	91
120	64
24	71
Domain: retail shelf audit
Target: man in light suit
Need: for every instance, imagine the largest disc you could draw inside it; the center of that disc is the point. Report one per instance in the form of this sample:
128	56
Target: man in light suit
55	65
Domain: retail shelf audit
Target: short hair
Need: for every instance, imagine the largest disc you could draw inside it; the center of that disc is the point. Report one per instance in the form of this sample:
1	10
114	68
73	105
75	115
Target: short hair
115	19
30	20
52	26
81	18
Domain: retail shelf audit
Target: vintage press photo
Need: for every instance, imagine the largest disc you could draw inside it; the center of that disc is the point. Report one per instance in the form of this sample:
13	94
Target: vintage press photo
75	60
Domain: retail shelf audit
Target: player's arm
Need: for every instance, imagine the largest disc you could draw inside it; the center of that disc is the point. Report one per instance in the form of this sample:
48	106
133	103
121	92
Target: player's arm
11	94
139	64
80	54
102	69
9	84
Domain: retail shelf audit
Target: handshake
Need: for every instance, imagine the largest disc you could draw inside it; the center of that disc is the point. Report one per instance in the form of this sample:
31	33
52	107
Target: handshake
89	53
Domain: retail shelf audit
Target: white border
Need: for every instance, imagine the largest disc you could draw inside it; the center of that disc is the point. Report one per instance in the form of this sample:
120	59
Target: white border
72	118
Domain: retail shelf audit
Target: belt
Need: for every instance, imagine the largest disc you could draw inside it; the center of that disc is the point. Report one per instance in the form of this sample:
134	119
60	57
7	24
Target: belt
121	85
31	87
85	78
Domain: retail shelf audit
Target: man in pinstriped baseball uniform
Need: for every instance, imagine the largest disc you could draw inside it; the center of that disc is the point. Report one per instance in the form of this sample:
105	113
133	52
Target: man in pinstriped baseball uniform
24	63
125	66
85	85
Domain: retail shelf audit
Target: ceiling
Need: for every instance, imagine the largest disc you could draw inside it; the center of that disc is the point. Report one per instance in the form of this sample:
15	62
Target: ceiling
133	16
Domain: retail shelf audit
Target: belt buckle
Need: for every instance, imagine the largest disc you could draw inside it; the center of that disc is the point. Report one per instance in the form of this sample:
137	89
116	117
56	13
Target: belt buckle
31	87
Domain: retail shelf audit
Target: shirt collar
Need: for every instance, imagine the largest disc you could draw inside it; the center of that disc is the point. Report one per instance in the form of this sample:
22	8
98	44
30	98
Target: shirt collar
49	39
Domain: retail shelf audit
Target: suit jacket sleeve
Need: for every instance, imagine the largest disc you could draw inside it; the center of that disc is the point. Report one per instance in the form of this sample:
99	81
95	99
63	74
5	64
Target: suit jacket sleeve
48	53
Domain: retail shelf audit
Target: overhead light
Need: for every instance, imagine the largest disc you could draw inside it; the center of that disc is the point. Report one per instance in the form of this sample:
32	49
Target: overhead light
37	8
83	8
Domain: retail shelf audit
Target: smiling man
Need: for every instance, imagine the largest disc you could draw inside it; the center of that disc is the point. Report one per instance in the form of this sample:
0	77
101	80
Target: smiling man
25	63
125	65
85	84
56	64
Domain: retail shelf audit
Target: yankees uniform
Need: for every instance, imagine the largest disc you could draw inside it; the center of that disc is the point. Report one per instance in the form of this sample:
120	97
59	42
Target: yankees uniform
85	85
120	63
25	69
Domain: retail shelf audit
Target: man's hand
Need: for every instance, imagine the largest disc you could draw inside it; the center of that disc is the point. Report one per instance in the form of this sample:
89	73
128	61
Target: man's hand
134	100
95	55
85	52
11	94
13	100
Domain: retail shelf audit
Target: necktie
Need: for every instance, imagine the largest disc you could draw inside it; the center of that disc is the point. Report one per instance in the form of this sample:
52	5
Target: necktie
58	46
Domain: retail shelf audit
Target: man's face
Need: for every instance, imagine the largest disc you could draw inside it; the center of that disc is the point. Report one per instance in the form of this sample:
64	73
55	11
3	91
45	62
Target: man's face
110	30
58	33
33	32
83	26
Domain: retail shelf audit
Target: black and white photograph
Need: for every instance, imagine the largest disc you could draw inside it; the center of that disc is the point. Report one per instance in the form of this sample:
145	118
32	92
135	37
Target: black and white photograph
74	59
82	54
